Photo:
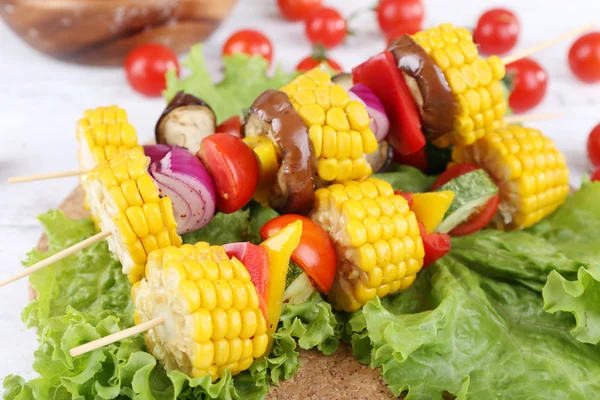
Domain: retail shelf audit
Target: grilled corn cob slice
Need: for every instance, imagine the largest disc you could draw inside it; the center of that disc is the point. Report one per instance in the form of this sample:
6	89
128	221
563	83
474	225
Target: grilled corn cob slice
102	134
530	172
210	308
377	240
474	81
125	201
338	127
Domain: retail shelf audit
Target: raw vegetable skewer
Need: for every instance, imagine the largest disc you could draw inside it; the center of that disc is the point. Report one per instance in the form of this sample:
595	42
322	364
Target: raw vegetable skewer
541	46
50	175
57	257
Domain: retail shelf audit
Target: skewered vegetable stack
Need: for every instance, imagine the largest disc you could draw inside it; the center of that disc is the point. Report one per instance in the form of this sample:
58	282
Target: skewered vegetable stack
531	173
377	240
210	306
125	200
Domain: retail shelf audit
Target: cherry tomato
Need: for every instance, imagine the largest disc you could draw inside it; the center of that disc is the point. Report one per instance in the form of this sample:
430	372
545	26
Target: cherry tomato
401	30
326	27
249	41
231	126
480	218
396	14
497	31
146	65
584	58
318	56
233	167
596	176
298	10
530	82
435	245
593	146
315	253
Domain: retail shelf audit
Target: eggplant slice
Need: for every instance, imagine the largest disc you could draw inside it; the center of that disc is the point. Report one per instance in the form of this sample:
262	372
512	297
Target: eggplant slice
273	115
185	122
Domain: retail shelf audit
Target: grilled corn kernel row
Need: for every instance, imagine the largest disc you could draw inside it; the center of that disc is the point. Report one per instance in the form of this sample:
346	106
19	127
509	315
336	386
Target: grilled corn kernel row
212	319
102	133
125	200
338	126
474	81
377	240
531	173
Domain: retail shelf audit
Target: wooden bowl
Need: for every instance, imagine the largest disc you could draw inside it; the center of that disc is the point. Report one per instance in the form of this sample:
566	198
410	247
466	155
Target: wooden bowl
102	32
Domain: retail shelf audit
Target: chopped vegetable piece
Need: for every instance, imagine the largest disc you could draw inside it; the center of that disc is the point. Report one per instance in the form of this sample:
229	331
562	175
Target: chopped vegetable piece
233	167
381	75
380	123
231	126
431	207
315	253
435	245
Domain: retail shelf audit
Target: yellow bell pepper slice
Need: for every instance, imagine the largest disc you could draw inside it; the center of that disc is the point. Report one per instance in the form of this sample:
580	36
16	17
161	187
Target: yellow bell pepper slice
267	157
431	207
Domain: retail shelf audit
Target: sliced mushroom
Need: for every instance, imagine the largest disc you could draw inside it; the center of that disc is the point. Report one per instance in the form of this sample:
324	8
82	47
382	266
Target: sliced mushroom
343	79
273	115
380	158
428	85
185	122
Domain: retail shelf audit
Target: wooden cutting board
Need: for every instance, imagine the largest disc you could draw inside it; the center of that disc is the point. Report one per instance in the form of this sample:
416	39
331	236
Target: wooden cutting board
334	377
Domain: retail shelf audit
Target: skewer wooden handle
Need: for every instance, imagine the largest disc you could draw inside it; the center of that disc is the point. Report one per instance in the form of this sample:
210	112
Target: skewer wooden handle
115	337
57	257
41	177
517	119
527	52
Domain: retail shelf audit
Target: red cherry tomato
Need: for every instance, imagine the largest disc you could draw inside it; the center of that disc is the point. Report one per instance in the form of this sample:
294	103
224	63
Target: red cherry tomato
146	65
435	245
596	176
308	63
497	31
407	196
397	14
233	167
315	253
480	218
249	41
298	10
231	126
326	27
529	84
593	146
584	58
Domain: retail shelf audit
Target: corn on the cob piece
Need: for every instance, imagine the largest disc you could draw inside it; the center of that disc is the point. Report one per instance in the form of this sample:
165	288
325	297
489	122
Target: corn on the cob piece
530	172
102	133
377	240
125	201
338	127
212	319
474	81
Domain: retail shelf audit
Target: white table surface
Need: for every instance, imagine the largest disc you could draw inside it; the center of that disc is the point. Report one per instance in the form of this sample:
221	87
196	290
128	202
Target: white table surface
41	99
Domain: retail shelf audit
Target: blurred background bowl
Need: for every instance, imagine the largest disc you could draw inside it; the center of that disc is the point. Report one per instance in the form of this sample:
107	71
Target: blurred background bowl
102	32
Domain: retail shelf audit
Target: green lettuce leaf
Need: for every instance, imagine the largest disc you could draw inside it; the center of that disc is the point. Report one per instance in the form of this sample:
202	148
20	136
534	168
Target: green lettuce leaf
225	98
457	332
86	297
407	179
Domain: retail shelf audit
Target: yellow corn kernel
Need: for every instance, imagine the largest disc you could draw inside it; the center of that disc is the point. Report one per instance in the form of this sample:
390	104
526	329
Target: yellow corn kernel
312	114
234	326
336	118
357	116
315	134
343	145
137	219
259	345
329	142
338	96
327	169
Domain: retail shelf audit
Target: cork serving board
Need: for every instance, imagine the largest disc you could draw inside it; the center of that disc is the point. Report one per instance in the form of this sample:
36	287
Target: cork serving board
335	377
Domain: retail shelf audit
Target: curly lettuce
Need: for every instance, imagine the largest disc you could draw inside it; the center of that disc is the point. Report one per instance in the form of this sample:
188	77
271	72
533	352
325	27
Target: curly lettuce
86	297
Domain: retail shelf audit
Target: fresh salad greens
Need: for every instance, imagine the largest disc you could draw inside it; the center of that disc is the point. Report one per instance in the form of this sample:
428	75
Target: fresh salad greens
86	297
225	98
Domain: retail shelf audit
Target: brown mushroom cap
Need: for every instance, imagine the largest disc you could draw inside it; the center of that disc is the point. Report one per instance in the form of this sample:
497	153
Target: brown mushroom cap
273	115
427	84
185	122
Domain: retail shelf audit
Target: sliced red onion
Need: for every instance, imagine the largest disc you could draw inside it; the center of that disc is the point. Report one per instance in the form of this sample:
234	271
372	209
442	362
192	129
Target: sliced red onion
182	176
380	123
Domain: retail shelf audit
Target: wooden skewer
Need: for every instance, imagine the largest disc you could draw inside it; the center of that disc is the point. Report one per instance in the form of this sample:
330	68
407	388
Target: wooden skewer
115	337
517	119
57	257
41	177
527	52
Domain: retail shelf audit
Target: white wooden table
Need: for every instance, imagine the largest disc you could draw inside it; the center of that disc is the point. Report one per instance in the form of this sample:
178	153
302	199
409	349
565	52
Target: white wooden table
41	100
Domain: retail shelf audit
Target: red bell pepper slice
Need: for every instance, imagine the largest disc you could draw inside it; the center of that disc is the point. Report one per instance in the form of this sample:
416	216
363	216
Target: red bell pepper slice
436	245
256	260
382	76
